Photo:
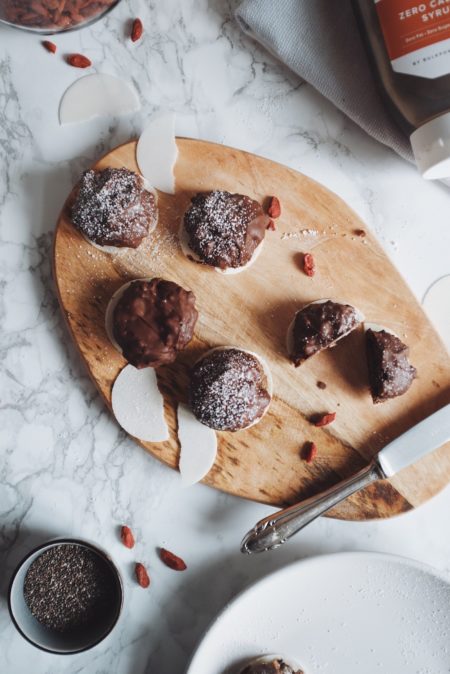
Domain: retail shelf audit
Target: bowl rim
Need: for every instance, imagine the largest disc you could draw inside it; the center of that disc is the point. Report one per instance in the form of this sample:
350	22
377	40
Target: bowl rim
70	29
67	541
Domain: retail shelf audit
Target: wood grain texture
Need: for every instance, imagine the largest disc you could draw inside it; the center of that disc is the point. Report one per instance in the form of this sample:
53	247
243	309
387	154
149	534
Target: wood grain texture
253	310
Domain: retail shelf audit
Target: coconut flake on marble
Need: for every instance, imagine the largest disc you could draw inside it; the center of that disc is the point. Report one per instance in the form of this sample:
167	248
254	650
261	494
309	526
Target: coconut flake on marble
97	95
198	447
138	405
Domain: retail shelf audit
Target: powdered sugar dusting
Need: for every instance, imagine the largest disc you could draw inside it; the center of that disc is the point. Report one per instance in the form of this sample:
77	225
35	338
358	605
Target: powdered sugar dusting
153	257
302	233
113	207
224	229
97	95
228	389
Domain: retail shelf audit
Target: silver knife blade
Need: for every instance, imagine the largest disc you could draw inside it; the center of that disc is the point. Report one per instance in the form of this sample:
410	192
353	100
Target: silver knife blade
420	440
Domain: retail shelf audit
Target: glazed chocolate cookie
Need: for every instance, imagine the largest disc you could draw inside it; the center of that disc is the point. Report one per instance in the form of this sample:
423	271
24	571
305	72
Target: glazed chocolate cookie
390	373
113	208
319	326
229	389
223	230
151	321
270	665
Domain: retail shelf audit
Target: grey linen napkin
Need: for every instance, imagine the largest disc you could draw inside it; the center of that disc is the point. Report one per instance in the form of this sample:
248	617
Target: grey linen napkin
320	41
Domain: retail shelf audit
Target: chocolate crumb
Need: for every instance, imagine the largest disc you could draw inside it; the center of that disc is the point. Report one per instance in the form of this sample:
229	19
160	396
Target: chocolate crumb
321	385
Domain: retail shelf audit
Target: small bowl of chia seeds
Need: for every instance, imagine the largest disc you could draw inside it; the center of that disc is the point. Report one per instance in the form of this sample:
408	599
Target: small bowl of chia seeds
65	596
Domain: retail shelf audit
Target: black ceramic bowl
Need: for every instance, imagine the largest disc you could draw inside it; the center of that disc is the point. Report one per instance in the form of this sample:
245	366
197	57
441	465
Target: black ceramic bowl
52	641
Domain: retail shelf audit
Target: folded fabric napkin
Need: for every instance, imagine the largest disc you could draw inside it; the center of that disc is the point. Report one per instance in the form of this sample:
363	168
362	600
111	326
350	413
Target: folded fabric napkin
320	41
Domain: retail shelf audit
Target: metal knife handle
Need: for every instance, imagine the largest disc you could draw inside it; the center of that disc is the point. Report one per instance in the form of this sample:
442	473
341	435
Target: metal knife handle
275	530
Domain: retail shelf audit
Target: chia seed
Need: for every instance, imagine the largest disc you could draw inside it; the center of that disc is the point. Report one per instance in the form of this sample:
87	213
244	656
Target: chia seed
69	588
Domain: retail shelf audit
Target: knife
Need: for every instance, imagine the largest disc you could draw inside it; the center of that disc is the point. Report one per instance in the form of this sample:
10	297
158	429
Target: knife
420	440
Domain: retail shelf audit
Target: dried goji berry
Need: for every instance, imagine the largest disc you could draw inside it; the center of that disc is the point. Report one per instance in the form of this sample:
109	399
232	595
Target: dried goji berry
310	452
309	266
324	419
136	30
171	560
274	210
49	46
78	61
141	575
127	537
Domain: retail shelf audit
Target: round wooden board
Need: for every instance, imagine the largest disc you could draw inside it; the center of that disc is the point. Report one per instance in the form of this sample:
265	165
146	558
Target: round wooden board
252	310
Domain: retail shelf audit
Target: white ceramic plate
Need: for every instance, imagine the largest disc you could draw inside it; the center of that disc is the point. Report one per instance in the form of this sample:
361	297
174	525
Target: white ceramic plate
349	613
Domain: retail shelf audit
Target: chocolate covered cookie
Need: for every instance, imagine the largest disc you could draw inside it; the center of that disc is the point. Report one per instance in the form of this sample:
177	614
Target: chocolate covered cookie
390	373
319	326
113	208
150	321
223	230
230	389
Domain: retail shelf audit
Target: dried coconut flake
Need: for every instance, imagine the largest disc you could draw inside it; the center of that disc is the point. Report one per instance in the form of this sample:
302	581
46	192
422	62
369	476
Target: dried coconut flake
138	404
97	95
198	445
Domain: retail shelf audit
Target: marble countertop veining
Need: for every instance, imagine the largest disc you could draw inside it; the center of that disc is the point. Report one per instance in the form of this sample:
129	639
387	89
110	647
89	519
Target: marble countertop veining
65	467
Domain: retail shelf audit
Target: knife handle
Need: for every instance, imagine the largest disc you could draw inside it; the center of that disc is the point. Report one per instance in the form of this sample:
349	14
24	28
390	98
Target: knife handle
276	529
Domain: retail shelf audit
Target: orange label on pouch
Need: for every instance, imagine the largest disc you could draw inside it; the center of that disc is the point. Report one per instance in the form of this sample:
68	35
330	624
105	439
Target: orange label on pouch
408	25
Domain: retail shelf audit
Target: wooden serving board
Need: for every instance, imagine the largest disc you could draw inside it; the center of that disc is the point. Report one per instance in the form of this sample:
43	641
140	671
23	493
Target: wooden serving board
253	310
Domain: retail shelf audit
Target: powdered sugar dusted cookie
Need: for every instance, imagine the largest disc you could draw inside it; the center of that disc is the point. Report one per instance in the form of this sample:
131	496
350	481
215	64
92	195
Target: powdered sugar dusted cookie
223	230
114	208
230	389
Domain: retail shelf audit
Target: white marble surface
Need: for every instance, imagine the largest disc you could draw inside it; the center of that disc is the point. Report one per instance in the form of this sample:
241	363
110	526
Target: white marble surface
65	467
